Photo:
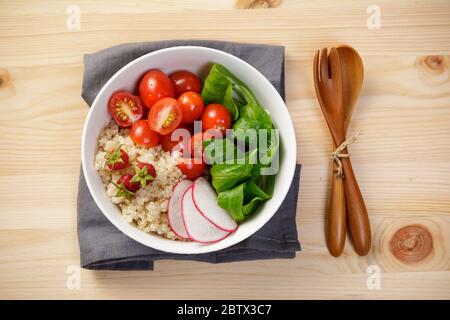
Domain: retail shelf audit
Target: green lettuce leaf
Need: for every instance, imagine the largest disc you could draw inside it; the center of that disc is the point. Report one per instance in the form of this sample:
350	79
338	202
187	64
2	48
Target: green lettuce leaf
227	175
240	186
242	200
230	103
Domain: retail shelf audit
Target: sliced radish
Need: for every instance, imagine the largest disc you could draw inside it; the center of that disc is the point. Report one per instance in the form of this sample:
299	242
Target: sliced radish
174	210
205	200
198	227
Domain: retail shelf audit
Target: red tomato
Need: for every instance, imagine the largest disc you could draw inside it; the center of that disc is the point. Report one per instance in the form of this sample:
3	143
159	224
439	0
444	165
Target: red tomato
216	116
125	108
117	160
165	116
191	105
155	85
176	144
184	81
191	168
142	135
196	144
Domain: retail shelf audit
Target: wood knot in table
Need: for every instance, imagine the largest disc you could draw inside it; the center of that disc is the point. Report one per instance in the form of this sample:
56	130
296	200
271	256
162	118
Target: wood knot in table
434	69
4	77
257	4
436	63
412	243
7	89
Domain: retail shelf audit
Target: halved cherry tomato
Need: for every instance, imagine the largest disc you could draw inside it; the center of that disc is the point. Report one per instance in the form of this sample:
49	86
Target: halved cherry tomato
191	168
184	81
165	116
155	85
216	116
191	105
125	108
177	144
117	159
142	135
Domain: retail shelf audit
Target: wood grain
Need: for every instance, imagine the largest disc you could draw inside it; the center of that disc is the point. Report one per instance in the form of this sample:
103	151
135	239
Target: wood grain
401	159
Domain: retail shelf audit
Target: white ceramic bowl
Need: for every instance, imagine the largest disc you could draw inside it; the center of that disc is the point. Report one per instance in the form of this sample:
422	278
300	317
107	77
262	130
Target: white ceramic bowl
196	60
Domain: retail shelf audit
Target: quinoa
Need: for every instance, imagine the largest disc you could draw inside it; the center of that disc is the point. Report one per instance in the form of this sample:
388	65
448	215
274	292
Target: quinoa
148	207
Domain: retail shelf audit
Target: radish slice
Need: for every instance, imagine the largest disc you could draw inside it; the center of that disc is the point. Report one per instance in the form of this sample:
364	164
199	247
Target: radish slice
174	211
205	200
198	228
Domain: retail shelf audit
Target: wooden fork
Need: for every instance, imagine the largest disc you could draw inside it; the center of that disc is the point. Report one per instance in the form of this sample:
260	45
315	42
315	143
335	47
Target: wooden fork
329	88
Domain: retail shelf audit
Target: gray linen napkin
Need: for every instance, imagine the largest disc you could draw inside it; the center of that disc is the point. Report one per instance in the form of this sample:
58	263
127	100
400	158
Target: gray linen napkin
104	247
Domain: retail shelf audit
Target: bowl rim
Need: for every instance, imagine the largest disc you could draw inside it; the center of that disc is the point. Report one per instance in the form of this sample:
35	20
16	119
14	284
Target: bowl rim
276	202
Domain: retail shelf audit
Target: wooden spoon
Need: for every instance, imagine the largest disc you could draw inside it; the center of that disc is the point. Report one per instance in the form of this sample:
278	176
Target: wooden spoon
329	87
352	78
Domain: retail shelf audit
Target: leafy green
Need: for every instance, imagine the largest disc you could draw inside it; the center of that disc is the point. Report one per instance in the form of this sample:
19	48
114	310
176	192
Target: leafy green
215	84
253	111
246	131
219	150
227	175
231	103
218	88
242	200
240	185
272	145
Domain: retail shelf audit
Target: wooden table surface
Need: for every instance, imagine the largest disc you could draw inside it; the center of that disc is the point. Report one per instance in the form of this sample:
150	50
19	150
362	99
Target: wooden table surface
402	159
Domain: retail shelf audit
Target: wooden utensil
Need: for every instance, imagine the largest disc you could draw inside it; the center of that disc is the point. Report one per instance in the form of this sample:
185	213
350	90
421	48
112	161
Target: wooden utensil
352	77
329	87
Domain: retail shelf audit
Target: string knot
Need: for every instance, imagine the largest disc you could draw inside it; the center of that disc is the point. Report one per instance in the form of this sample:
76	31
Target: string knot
337	154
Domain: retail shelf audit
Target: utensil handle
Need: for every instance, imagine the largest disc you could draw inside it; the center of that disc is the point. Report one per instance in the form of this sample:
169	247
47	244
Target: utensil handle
336	216
358	218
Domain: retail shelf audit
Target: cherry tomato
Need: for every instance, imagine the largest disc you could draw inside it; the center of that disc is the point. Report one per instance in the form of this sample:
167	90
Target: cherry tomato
191	105
216	116
196	143
117	160
184	81
191	168
126	182
177	144
125	108
165	116
155	85
142	135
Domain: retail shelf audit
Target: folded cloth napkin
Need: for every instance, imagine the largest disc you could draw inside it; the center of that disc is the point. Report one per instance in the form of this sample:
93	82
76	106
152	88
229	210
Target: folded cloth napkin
104	247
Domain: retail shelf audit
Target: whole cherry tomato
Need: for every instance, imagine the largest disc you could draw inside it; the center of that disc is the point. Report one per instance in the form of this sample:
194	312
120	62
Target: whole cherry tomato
142	135
184	81
155	85
176	141
191	168
191	105
216	116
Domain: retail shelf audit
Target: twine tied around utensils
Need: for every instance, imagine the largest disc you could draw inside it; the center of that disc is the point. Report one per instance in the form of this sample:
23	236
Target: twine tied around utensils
337	154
